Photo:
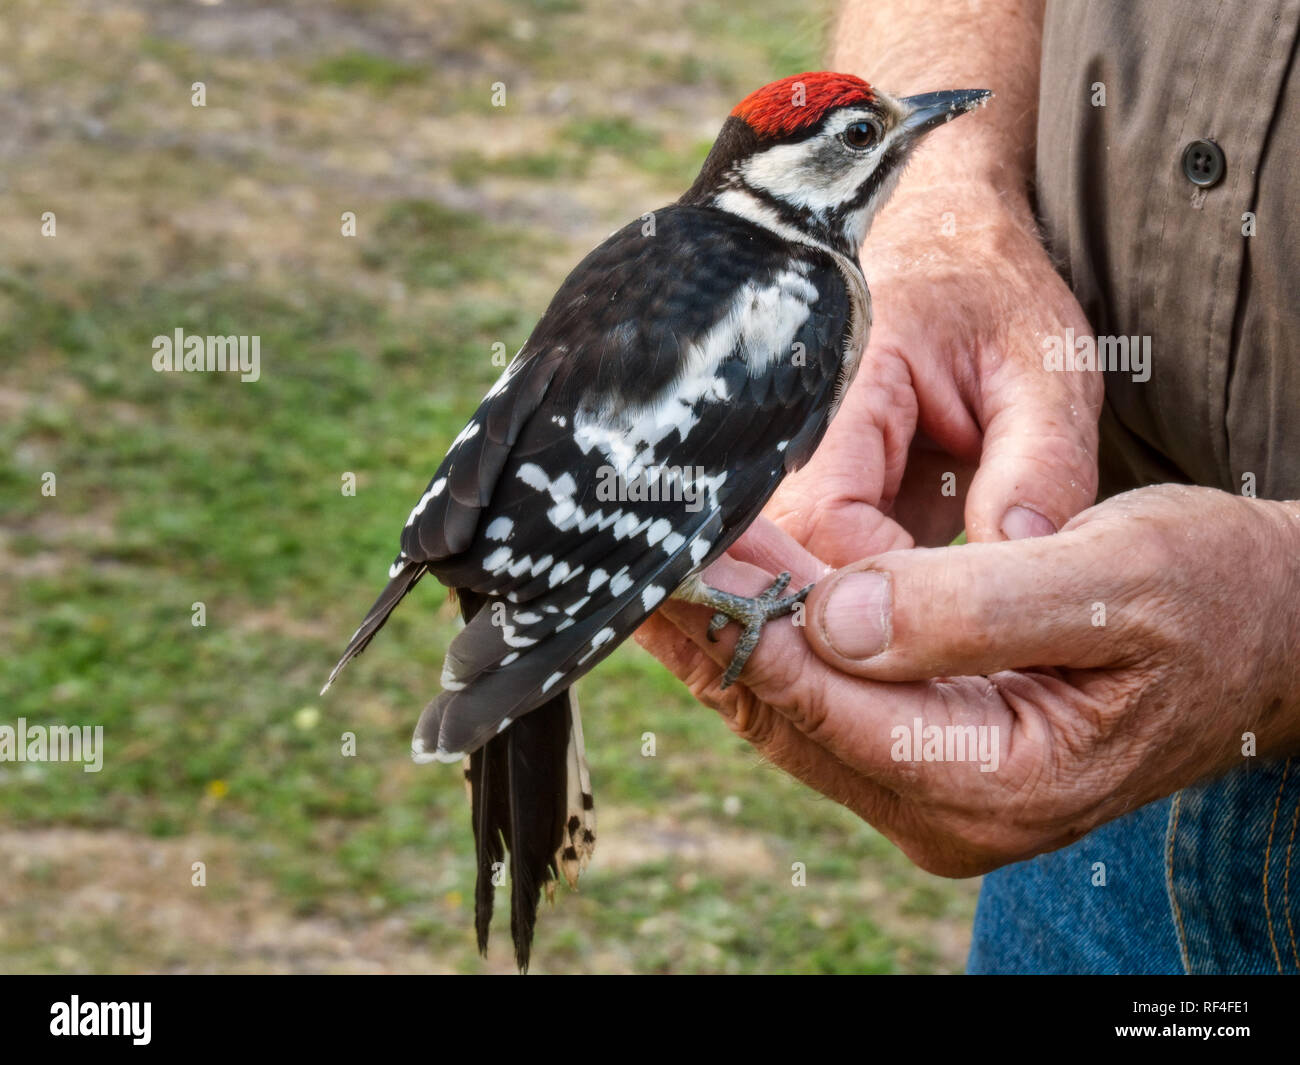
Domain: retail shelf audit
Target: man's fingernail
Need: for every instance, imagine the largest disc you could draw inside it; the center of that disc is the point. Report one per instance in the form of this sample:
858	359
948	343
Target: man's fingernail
1021	523
855	619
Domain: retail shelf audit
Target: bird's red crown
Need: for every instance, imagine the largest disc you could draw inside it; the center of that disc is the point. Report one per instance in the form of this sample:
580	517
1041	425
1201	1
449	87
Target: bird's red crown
795	103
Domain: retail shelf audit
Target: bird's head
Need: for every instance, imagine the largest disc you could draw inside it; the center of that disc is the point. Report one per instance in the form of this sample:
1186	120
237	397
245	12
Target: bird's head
820	152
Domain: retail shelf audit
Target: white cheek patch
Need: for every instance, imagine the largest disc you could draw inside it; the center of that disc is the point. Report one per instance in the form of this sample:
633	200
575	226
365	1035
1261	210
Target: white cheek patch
818	174
855	226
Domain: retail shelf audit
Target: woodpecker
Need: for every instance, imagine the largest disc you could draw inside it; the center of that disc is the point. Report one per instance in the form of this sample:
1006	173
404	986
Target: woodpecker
684	367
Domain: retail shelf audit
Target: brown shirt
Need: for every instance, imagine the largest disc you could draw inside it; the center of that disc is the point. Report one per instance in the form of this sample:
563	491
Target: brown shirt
1148	252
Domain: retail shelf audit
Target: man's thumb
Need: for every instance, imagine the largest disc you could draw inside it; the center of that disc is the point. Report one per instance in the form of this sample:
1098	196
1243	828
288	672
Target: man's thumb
965	611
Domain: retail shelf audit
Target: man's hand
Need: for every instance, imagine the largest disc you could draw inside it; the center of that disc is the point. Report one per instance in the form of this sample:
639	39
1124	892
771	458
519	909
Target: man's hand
952	392
1120	660
964	294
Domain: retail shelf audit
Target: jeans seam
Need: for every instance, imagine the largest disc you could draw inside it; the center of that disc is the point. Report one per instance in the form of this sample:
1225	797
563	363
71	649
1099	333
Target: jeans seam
1169	882
1268	850
1286	885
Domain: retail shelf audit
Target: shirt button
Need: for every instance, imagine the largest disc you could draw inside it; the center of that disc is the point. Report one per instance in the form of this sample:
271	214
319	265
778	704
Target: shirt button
1203	163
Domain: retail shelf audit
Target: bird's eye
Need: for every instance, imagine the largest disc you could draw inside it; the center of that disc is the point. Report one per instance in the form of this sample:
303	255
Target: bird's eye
862	135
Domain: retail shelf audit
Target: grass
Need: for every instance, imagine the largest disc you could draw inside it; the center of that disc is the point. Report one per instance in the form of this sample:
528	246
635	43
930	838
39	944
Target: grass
469	168
179	489
432	246
364	69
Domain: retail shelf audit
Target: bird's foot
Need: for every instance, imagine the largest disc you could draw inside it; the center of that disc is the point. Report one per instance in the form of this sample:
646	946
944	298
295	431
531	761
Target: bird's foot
750	613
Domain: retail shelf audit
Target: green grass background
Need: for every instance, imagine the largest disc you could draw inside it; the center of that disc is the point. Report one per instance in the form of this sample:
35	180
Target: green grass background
184	488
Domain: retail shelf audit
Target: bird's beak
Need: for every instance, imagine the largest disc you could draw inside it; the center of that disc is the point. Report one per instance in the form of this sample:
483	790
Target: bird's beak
932	109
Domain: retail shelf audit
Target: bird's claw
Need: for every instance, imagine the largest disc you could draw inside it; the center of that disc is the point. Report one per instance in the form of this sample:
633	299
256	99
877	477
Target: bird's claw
752	614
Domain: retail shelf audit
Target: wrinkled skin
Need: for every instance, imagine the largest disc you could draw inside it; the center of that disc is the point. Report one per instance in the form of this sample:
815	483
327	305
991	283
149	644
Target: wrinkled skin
1199	588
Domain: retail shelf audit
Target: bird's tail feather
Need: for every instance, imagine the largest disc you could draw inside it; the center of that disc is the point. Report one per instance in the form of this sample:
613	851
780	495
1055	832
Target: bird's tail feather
490	812
520	799
536	750
580	809
405	579
519	802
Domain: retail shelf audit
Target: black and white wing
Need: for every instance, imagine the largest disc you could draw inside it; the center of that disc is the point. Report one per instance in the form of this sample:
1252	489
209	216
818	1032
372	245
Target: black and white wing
697	366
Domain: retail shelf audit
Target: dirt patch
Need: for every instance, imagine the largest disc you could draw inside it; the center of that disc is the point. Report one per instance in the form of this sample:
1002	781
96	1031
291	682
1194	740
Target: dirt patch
79	901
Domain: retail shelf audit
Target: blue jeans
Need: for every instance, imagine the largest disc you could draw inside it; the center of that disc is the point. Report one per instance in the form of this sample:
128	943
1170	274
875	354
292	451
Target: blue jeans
1201	882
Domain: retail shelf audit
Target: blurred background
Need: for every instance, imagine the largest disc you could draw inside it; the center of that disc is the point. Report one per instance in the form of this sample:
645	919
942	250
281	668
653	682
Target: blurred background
177	489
